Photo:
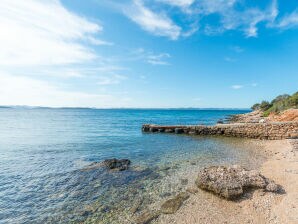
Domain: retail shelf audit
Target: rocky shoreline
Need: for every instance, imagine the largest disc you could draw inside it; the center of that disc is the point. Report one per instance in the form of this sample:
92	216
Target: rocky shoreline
237	183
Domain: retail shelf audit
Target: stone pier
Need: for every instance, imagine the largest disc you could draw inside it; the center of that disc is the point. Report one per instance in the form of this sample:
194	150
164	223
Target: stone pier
271	131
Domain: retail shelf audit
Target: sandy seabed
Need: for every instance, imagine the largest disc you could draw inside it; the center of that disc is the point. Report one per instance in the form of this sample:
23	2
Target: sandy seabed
256	206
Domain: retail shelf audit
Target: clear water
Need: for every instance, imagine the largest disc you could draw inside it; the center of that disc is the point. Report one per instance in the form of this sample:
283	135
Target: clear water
43	153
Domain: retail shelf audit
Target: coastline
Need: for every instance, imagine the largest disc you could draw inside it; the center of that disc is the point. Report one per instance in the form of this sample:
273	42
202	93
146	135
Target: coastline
258	206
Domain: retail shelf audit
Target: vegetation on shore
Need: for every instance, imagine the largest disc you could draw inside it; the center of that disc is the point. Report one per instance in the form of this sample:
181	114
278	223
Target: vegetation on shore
279	104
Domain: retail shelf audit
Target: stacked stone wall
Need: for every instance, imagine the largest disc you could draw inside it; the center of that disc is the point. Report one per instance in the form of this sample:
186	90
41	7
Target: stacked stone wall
272	131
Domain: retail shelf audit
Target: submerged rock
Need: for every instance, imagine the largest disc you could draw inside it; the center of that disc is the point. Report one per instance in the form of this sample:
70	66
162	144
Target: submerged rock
172	205
231	182
111	164
116	164
146	217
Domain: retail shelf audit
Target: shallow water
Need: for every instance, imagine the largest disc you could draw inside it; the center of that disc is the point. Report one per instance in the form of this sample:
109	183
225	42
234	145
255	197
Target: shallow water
43	153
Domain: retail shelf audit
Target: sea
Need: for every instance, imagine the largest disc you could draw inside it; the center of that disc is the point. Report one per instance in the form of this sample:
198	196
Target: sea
45	154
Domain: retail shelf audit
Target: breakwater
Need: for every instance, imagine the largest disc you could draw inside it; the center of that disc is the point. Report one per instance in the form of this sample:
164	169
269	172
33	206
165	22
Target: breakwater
271	131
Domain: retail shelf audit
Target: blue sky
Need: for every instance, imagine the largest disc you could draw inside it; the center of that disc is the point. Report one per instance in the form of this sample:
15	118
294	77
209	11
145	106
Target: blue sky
141	53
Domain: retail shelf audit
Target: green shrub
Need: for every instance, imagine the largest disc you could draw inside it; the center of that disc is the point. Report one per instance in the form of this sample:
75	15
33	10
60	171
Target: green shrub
266	113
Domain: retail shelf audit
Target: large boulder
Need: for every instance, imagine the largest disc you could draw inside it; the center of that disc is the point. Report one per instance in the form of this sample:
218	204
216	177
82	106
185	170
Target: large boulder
231	182
116	164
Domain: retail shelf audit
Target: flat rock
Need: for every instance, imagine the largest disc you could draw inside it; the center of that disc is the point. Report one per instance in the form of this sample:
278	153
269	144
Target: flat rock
231	182
172	205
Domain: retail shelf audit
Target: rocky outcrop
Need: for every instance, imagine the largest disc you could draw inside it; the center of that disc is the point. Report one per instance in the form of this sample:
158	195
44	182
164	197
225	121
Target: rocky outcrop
172	205
252	117
271	131
232	182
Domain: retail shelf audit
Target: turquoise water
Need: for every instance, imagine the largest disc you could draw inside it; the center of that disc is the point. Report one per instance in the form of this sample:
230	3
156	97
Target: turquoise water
43	153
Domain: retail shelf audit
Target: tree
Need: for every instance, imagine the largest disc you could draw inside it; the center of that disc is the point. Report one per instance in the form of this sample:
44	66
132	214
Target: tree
256	106
265	105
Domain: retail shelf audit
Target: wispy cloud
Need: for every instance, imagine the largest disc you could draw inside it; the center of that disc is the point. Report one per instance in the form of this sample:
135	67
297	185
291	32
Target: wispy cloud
247	19
156	23
288	21
237	86
232	14
151	57
159	59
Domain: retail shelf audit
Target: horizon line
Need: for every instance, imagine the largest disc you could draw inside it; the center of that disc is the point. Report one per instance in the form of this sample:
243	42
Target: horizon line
128	108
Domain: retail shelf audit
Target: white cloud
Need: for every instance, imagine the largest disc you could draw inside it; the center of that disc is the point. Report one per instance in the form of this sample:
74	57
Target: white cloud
156	23
20	90
35	32
237	86
42	40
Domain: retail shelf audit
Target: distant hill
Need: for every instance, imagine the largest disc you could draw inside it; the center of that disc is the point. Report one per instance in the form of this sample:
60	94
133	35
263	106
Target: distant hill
279	104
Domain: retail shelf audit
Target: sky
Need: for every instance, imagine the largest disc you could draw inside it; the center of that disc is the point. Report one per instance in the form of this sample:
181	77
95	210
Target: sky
147	53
